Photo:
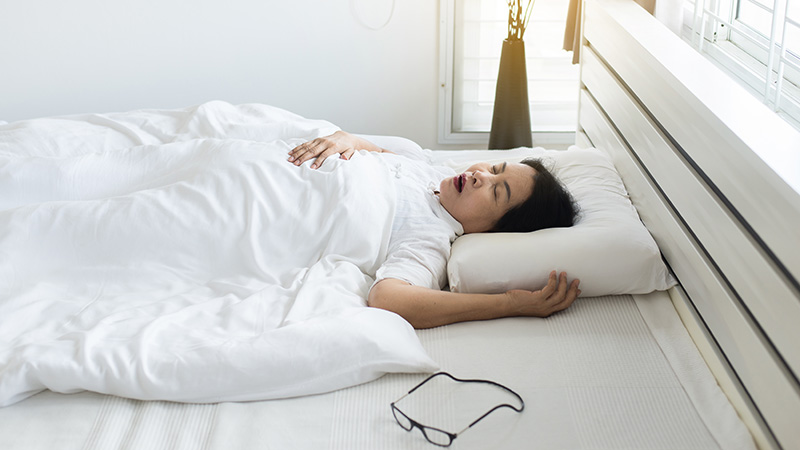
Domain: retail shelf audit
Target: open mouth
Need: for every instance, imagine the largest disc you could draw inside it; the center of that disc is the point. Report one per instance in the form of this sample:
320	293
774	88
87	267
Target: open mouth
459	182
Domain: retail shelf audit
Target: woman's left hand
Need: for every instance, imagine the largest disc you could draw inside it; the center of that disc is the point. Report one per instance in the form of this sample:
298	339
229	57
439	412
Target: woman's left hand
556	296
340	142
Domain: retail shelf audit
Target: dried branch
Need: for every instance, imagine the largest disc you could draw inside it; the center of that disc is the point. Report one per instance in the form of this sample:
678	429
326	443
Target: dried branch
518	18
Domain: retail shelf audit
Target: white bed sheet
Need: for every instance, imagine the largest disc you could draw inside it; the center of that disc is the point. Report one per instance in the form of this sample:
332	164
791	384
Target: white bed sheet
608	373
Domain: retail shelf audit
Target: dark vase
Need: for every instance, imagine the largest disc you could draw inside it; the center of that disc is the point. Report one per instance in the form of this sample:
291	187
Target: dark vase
511	120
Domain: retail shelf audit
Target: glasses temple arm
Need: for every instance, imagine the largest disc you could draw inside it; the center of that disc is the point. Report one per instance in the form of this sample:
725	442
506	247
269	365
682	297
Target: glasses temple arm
434	376
504	405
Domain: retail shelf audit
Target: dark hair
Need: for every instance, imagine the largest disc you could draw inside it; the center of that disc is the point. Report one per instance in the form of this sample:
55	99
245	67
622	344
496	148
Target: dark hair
549	205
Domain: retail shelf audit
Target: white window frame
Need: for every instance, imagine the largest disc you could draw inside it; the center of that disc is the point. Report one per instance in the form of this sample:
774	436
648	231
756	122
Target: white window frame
745	53
556	139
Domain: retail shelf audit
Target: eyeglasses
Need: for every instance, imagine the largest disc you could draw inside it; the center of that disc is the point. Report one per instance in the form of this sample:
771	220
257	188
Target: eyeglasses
438	436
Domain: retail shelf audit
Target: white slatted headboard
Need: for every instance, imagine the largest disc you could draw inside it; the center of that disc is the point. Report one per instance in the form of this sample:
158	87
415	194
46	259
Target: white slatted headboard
716	178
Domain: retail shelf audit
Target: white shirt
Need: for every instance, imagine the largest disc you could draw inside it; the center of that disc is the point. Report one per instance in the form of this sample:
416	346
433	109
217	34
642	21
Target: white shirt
422	231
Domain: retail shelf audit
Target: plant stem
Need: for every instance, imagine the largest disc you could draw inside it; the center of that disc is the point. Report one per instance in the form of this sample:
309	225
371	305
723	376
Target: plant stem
528	10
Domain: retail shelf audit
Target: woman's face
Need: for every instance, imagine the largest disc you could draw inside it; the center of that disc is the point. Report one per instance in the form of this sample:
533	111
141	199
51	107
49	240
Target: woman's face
479	197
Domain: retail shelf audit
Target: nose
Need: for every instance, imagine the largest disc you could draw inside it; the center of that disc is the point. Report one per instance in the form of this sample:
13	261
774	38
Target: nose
478	177
481	175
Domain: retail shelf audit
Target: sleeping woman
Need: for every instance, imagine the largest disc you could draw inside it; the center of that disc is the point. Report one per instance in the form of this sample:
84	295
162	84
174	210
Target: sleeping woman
177	255
435	207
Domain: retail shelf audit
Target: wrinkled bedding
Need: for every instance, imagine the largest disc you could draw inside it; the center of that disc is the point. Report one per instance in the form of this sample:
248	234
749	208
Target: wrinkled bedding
177	255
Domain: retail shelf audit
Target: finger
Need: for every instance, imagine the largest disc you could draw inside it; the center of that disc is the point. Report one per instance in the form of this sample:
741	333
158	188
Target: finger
562	286
293	152
323	156
570	296
296	148
313	149
550	288
347	154
300	149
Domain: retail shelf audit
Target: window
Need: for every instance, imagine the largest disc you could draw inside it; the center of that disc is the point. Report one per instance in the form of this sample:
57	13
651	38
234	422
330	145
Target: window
471	41
757	41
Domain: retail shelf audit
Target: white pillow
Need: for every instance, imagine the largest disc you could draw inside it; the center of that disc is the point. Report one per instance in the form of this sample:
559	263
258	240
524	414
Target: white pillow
608	248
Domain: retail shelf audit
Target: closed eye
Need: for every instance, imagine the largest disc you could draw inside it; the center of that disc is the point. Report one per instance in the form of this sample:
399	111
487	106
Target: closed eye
496	171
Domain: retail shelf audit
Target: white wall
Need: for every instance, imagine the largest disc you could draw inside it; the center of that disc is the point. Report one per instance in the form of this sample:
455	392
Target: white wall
312	57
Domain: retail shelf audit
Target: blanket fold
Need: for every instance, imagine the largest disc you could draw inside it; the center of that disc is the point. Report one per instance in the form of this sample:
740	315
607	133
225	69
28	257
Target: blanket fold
177	255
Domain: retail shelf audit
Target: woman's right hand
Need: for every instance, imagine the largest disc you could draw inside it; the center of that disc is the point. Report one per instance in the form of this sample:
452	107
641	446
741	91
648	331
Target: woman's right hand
340	142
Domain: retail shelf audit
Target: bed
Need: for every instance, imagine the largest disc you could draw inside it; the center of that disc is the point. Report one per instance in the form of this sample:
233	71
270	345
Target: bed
697	365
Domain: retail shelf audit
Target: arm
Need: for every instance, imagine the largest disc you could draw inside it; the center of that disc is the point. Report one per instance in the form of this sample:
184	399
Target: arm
341	142
427	308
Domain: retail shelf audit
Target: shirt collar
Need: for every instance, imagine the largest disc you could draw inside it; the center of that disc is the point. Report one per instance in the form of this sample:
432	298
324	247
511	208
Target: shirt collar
442	213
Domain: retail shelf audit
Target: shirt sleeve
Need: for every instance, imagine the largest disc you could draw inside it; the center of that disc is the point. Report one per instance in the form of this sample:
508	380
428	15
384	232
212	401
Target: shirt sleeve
419	262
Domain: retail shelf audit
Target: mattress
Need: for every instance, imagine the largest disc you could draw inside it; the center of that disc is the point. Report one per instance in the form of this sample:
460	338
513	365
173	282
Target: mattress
608	373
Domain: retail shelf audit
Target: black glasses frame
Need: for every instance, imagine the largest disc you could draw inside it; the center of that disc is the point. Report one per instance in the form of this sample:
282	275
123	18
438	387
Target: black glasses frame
452	436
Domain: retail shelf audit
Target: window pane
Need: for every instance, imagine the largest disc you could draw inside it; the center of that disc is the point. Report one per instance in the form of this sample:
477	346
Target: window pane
794	10
545	40
551	91
756	17
480	28
556	117
793	39
552	68
766	3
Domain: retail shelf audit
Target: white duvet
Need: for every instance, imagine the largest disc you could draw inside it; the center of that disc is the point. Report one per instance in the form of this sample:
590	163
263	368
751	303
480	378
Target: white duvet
177	255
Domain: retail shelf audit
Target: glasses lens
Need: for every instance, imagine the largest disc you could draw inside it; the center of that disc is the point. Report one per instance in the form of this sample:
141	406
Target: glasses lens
437	437
401	418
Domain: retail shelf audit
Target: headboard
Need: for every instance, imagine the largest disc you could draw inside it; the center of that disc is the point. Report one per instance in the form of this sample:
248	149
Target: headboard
715	176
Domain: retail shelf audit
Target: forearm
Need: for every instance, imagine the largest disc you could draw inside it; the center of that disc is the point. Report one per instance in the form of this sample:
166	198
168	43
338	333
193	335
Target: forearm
427	308
359	143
